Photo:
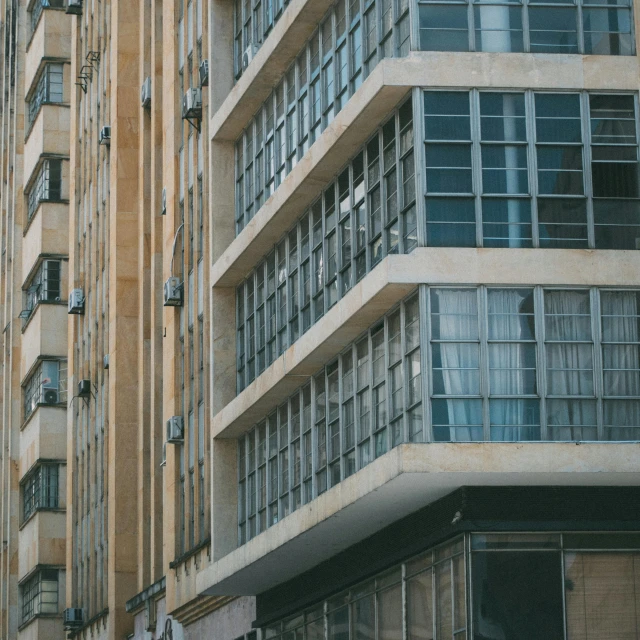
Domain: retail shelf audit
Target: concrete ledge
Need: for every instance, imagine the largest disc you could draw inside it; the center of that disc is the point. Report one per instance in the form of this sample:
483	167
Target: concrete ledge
364	304
282	45
392	280
402	481
350	129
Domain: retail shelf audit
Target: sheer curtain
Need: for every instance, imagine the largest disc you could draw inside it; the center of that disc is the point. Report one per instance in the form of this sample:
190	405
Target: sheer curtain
569	352
458	320
512	366
621	363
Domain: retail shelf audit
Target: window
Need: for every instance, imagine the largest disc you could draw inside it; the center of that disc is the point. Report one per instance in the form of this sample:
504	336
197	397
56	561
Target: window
333	246
39	594
46	385
533	586
45	286
356	405
488	184
40	489
504	365
564	26
47	185
49	89
325	74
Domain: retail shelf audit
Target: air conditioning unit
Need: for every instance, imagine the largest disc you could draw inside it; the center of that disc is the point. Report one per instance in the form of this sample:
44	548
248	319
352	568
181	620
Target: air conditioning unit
145	92
175	430
73	618
76	302
74	6
163	204
50	396
204	73
173	292
192	103
105	135
247	56
163	462
84	388
105	361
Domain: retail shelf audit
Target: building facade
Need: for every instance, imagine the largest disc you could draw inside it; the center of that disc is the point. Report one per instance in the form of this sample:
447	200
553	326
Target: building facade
321	320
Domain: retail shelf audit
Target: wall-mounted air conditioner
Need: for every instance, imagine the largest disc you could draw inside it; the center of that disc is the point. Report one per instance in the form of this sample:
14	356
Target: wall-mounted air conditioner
145	92
173	292
105	135
163	202
50	396
73	618
247	56
175	430
76	302
192	103
84	388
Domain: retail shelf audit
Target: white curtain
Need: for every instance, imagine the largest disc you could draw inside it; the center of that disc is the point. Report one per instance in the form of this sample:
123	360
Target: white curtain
569	364
510	368
458	320
621	362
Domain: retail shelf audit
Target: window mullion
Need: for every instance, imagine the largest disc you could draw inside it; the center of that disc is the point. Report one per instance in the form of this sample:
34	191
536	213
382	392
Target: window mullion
471	34
426	360
483	331
476	162
598	363
420	163
541	359
587	159
526	40
533	165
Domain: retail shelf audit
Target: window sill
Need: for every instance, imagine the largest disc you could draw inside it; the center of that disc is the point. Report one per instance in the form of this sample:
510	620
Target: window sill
40	202
59	405
49	616
188	554
39	510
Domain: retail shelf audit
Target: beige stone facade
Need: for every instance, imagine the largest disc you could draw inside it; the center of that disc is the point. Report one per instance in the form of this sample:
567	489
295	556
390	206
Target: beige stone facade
224	273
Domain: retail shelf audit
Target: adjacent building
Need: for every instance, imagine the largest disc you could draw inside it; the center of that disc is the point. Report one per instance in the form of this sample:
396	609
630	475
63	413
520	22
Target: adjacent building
321	320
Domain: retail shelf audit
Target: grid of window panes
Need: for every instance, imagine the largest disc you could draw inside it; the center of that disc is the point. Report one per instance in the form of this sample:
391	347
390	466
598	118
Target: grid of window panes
514	364
48	90
192	522
39	594
47	185
46	385
350	40
516	585
45	286
531	169
253	21
430	588
358	407
367	212
40	489
603	27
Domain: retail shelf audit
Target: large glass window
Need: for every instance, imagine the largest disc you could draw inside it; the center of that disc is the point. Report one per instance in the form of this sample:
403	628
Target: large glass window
40	489
49	89
46	186
47	385
538	26
367	212
505	364
39	594
533	586
328	70
44	286
521	170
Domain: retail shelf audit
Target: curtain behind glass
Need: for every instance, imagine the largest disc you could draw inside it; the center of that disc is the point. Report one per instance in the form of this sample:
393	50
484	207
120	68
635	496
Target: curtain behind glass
602	594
